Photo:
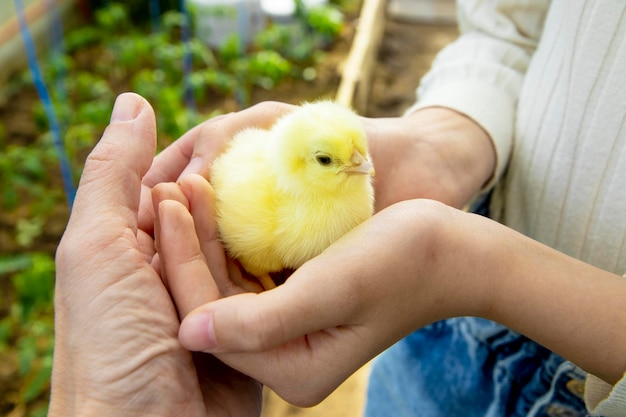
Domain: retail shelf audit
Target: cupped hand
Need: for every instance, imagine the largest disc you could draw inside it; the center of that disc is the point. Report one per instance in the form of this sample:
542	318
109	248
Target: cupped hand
334	313
116	346
196	149
434	153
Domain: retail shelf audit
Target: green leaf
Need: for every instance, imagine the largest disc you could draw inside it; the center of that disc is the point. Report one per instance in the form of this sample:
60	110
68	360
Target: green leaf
113	18
326	20
34	286
6	331
269	65
39	380
10	264
28	229
231	49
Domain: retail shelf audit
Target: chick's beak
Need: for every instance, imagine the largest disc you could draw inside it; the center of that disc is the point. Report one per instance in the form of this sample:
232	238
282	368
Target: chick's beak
360	165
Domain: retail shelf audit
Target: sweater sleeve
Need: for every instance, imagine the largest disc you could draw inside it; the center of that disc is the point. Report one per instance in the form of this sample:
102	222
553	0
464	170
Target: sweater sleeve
603	399
481	73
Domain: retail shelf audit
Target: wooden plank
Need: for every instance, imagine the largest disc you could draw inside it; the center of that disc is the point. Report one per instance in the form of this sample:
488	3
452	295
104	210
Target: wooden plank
357	73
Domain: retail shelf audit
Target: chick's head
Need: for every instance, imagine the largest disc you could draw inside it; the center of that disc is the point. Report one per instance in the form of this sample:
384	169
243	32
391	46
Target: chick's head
321	146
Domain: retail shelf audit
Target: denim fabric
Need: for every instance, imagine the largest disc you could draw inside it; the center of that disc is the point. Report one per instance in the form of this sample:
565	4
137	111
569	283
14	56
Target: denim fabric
472	367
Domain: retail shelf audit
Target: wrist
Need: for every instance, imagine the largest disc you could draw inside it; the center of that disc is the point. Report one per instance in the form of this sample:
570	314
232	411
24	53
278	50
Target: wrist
440	273
60	408
434	153
78	390
67	397
465	151
462	264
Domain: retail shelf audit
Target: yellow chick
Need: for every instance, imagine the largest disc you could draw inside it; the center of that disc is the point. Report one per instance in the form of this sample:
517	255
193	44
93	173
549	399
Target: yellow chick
284	195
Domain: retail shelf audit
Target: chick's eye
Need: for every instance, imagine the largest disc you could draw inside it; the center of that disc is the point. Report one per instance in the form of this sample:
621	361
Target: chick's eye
323	160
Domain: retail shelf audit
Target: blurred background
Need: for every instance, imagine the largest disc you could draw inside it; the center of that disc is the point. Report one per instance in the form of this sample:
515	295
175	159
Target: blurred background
63	62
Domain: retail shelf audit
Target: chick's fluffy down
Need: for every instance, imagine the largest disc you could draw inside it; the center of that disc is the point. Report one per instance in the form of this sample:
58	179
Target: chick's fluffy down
278	202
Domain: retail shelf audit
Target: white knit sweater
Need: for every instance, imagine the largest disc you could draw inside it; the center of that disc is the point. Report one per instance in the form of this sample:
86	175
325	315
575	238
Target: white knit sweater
547	80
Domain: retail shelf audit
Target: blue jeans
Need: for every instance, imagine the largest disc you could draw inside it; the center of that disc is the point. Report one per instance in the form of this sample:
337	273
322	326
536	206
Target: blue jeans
472	367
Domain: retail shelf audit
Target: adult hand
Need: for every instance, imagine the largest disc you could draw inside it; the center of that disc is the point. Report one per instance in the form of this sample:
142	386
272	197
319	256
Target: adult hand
116	347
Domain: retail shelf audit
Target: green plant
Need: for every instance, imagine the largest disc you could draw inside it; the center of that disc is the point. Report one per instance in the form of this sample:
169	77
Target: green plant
83	37
2	135
29	324
268	68
302	42
325	20
113	19
23	172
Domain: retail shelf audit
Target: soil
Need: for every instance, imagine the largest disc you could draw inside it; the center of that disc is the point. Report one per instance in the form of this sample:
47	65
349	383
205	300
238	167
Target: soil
405	55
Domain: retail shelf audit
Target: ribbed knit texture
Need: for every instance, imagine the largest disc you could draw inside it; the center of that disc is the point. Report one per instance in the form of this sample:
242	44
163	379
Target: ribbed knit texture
553	98
566	184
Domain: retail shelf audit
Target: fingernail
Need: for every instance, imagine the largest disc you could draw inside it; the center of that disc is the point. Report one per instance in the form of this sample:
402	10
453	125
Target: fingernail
126	108
195	166
210	327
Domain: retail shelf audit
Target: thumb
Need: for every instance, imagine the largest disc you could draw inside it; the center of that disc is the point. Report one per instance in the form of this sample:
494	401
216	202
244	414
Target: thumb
254	322
111	180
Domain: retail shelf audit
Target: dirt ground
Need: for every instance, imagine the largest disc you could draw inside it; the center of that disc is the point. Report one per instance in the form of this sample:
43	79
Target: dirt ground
405	55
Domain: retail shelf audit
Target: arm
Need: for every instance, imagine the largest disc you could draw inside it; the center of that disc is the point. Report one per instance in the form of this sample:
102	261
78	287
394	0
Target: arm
480	75
306	336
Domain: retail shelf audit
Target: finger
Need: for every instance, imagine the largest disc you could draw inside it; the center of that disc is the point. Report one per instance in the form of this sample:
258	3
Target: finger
160	193
169	163
146	215
189	278
201	198
214	136
110	183
166	167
